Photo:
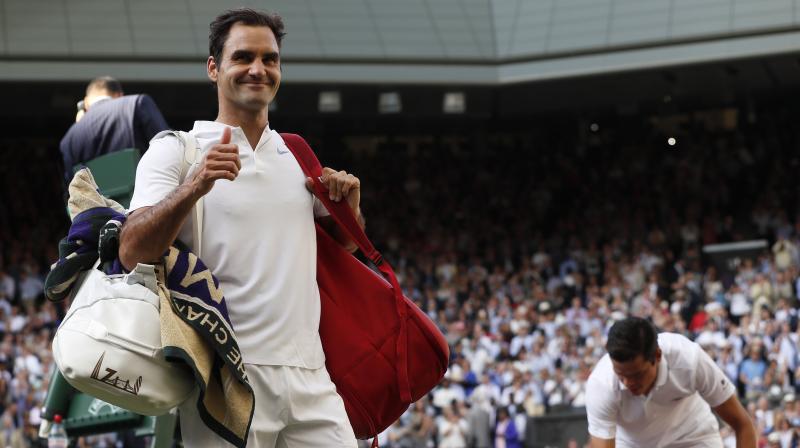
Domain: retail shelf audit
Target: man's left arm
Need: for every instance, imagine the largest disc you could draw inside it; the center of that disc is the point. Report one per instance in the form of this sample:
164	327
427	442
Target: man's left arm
341	185
716	389
732	412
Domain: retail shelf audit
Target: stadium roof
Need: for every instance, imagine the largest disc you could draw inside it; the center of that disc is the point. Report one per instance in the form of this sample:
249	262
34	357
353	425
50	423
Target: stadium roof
481	42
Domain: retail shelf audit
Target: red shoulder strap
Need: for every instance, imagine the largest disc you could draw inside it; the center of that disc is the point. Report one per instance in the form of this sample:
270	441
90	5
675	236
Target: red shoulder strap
339	211
344	217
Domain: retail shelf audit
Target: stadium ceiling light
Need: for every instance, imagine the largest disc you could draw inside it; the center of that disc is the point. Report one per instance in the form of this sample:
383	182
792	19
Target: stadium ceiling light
330	101
390	103
454	103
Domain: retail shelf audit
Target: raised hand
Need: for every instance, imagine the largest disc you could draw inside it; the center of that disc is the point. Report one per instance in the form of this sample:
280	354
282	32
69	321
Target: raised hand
221	162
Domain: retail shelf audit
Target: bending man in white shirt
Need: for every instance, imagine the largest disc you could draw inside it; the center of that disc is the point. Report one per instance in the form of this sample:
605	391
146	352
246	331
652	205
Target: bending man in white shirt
658	391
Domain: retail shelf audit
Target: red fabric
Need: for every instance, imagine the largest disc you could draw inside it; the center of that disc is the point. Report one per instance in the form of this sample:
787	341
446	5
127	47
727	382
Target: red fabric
382	352
698	321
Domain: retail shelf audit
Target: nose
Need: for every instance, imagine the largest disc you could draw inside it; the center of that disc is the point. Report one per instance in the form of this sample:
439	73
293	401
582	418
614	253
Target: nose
257	68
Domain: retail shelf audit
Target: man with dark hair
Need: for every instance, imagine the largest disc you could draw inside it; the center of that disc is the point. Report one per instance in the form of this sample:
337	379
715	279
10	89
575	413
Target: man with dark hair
107	121
258	238
658	390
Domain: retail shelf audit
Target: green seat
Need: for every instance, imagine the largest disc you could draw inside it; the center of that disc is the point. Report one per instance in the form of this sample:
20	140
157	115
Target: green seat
85	415
115	174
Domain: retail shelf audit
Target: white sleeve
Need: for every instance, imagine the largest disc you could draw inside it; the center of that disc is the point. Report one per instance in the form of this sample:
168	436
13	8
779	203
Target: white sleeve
158	172
602	407
710	381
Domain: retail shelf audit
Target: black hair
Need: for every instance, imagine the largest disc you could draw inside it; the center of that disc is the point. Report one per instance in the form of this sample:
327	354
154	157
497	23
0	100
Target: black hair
107	83
631	337
221	27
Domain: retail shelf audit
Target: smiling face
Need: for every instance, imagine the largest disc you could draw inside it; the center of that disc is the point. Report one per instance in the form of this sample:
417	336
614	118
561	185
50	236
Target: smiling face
638	374
249	73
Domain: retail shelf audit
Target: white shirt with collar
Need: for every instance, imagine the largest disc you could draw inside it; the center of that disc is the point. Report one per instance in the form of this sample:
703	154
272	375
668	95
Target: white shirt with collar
677	411
258	239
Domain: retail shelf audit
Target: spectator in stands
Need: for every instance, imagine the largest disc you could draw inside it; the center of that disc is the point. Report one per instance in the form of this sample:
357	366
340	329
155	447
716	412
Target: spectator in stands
31	286
452	429
505	431
479	421
752	370
8	287
111	122
421	424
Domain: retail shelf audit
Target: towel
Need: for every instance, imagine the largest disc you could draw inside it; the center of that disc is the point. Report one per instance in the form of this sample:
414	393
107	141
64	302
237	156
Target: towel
195	327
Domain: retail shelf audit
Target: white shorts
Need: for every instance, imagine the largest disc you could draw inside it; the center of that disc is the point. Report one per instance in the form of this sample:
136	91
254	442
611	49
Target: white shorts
295	407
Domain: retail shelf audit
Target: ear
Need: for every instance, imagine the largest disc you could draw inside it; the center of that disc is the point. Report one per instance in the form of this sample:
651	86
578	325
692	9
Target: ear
211	69
658	354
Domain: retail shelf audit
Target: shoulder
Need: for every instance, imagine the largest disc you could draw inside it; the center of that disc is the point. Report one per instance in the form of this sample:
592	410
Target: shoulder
680	352
602	392
141	99
675	343
168	138
166	147
70	134
602	376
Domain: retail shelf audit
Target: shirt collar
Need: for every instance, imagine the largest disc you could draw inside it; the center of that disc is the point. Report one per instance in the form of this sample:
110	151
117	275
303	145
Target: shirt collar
96	99
211	129
206	125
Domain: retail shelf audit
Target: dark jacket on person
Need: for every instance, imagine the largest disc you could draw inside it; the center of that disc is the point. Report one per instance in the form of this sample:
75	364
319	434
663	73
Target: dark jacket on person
111	125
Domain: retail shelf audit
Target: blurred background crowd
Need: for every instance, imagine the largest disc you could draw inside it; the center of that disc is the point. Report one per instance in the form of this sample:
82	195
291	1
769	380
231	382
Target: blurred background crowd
523	247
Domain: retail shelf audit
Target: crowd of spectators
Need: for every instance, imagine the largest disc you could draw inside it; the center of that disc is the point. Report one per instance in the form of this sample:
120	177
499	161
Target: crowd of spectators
523	247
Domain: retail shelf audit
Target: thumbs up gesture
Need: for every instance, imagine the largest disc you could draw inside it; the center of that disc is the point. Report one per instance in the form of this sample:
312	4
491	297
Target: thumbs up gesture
221	162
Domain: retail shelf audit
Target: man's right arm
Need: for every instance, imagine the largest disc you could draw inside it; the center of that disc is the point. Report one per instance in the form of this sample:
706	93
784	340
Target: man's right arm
601	409
150	230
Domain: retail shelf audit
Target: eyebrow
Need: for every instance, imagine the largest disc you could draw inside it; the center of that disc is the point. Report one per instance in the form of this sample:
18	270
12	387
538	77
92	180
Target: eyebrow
272	56
639	372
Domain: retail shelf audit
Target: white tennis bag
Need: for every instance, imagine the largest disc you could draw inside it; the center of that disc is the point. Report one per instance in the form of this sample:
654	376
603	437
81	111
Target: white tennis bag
109	343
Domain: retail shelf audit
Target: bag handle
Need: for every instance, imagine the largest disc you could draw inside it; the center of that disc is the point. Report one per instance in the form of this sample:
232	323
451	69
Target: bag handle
191	156
345	218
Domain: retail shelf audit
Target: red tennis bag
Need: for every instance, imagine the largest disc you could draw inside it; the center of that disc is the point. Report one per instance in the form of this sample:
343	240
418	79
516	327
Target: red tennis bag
382	352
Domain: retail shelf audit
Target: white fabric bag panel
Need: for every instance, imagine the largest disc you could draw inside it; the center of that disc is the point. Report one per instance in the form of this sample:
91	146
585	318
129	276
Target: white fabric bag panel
109	344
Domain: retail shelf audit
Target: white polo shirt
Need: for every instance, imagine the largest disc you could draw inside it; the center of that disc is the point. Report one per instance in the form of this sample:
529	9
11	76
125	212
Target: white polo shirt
258	239
677	411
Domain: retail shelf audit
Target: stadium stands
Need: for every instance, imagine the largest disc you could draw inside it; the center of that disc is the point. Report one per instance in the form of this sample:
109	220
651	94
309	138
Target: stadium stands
523	246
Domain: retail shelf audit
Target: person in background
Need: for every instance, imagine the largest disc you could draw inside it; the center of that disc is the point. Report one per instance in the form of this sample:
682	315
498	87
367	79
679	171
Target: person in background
505	432
109	121
658	390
